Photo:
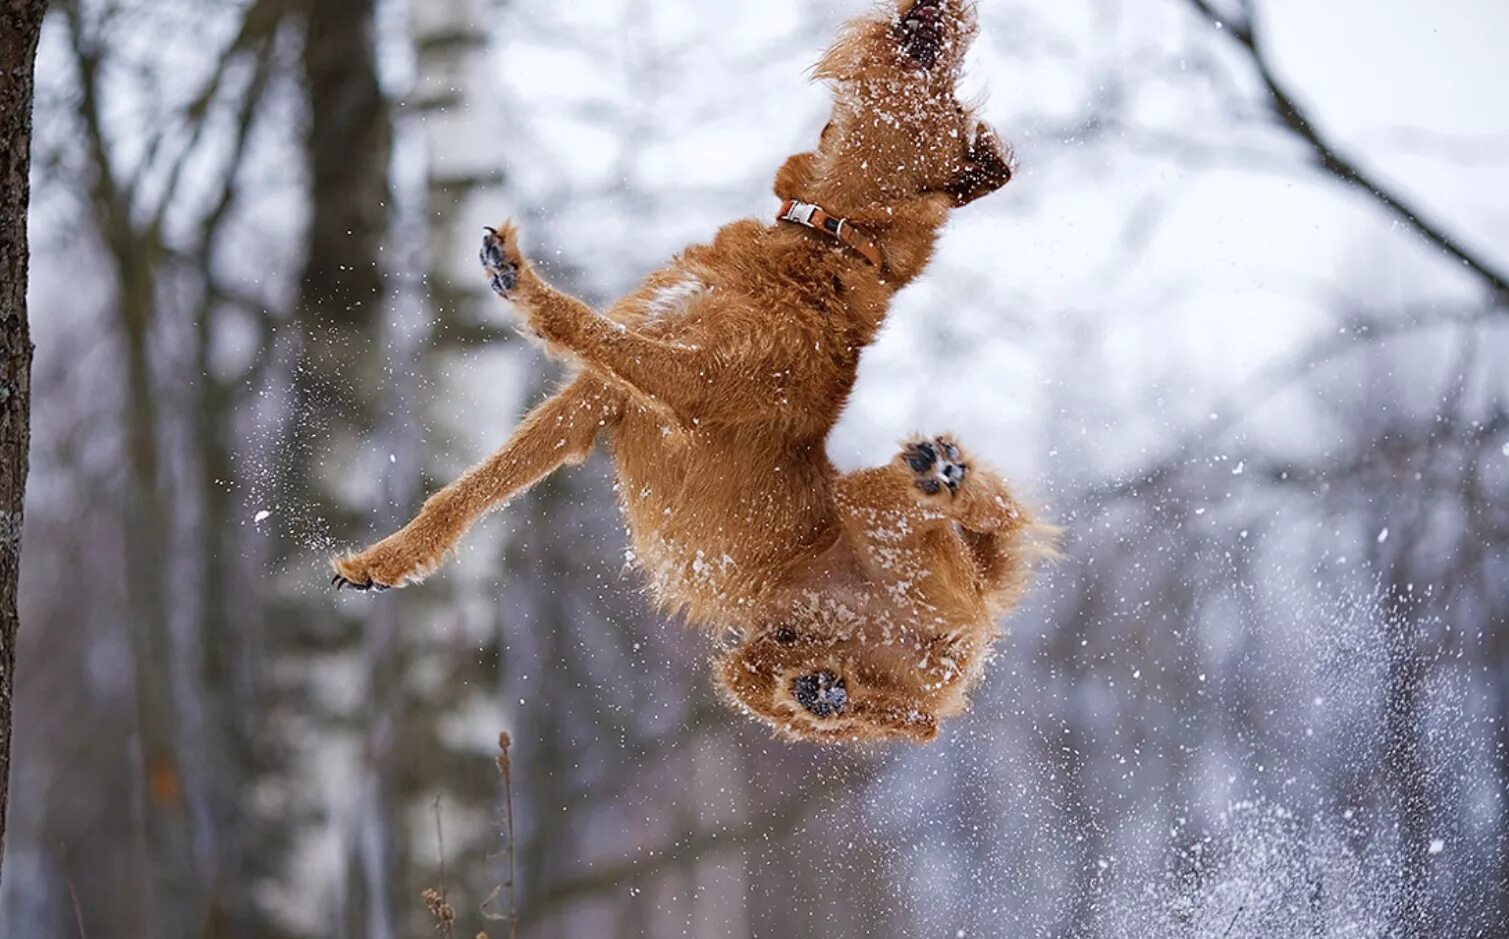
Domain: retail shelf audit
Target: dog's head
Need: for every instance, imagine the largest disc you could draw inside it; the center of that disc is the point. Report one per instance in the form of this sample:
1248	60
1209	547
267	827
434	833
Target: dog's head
898	129
808	687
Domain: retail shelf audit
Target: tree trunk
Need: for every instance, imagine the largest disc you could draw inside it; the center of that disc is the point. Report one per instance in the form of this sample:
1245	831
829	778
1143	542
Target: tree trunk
20	24
147	526
455	94
348	148
339	382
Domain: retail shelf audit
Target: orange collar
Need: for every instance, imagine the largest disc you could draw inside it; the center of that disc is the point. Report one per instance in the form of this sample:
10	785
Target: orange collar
813	217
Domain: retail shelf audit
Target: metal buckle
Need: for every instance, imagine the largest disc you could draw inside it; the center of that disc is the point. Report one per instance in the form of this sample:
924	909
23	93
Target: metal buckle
801	213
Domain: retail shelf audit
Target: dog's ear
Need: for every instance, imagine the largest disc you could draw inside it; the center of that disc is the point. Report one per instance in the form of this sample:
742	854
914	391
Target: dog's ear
988	165
795	177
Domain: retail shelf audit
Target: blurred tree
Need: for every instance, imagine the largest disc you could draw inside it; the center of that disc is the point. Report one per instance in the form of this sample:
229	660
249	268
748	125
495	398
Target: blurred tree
134	249
186	804
242	181
338	391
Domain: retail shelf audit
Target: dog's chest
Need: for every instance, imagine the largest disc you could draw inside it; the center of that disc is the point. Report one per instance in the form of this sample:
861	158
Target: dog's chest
670	303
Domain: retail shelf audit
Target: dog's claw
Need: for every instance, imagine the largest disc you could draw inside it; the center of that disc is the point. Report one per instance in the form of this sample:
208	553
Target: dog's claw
492	250
340	581
502	271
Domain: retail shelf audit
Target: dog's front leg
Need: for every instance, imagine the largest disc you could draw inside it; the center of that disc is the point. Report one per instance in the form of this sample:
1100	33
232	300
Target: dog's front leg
561	429
692	383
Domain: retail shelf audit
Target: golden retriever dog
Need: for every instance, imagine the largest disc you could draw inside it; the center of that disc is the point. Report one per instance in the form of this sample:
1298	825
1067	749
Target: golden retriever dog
861	606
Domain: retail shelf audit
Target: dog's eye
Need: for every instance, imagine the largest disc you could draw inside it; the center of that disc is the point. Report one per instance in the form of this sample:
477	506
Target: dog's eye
785	635
821	693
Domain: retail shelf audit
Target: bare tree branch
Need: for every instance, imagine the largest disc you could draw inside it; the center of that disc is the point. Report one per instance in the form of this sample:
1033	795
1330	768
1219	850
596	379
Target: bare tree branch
1263	386
700	844
1298	121
257	27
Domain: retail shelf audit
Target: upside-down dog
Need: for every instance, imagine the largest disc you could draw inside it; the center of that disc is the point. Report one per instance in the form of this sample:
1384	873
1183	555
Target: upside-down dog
862	605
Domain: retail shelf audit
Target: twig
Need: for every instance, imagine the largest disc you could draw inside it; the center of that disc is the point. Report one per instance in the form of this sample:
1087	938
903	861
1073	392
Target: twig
78	911
435	901
1297	120
505	770
440	848
1233	924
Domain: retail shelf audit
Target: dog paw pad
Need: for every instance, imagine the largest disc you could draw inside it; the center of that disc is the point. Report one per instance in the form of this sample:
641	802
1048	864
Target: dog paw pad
498	262
938	464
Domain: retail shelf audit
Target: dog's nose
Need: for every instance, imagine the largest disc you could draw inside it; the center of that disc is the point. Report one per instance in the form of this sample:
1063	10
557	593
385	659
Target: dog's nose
821	693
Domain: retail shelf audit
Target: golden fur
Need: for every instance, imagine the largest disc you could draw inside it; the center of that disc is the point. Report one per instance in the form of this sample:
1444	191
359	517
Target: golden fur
864	604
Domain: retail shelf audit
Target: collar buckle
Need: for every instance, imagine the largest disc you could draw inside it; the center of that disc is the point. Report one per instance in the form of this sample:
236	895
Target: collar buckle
817	218
801	213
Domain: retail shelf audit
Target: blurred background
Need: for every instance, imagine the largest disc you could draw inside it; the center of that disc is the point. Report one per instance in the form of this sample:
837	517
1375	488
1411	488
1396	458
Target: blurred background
1240	324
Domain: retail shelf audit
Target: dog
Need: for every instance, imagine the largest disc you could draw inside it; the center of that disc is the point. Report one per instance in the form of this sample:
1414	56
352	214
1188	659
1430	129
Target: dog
861	607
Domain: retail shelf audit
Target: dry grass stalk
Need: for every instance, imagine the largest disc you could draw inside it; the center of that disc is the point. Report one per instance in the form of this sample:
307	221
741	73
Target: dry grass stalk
444	913
505	771
78	911
436	900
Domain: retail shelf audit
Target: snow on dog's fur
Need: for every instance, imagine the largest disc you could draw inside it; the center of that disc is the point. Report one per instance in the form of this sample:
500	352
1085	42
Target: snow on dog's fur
864	604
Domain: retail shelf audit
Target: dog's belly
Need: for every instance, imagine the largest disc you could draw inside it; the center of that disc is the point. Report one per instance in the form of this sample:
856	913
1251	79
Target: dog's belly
717	526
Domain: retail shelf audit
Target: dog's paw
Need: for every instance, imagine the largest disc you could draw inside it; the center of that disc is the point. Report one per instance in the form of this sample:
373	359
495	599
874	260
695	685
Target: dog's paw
501	259
387	565
351	572
938	465
989	164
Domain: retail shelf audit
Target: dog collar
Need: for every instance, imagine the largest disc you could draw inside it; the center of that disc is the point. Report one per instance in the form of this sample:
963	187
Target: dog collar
839	229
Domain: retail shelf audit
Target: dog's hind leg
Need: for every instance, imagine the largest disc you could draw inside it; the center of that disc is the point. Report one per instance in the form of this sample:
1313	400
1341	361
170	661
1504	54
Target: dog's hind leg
934	32
1002	537
946	482
918	518
888	525
561	429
